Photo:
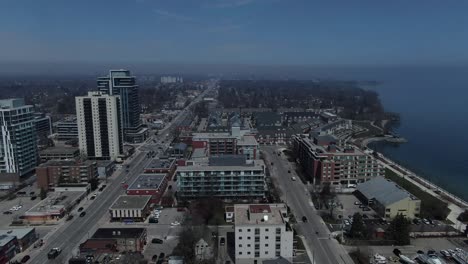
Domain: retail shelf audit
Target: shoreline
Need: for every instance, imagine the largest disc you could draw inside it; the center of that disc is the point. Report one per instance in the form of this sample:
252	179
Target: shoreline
456	204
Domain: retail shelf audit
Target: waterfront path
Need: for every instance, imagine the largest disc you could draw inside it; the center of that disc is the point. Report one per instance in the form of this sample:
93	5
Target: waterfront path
455	204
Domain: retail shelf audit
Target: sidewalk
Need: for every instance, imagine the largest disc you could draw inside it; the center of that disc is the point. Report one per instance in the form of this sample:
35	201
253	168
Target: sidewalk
455	210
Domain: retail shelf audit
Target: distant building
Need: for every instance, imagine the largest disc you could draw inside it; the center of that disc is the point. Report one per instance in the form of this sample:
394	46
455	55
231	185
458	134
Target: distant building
289	118
171	79
56	173
267	119
388	199
59	153
66	129
161	166
122	83
99	125
9	181
325	161
43	127
149	184
128	239
18	145
235	142
262	233
130	208
225	176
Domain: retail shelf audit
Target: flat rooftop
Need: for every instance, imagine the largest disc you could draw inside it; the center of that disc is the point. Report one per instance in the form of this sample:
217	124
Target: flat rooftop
54	203
255	165
19	233
199	136
161	164
247	141
5	239
147	181
66	163
112	233
60	150
259	214
384	191
131	202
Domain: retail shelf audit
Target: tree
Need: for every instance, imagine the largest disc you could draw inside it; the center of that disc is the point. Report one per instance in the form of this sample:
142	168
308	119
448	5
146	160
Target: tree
399	230
463	217
43	194
358	229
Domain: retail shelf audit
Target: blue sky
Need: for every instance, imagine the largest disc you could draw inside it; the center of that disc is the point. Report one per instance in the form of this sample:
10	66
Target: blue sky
278	32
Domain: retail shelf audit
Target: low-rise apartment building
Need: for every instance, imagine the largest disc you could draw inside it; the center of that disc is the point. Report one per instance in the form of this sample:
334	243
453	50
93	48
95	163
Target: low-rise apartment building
55	173
225	176
59	153
262	233
325	161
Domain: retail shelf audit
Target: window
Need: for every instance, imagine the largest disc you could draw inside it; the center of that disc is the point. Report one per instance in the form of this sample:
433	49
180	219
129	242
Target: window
278	246
240	252
248	253
255	261
266	245
240	238
257	246
266	229
248	237
257	231
248	230
266	237
240	245
257	254
278	253
248	245
278	230
278	239
240	230
266	252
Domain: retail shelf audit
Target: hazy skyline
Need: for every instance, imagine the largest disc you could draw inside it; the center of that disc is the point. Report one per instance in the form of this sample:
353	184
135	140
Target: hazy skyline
264	32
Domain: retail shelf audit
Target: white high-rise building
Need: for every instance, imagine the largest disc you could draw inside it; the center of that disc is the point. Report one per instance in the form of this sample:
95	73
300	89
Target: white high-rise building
99	125
262	233
18	146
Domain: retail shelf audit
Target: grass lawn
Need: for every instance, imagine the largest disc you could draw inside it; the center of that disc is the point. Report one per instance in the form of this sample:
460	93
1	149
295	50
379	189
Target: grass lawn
431	207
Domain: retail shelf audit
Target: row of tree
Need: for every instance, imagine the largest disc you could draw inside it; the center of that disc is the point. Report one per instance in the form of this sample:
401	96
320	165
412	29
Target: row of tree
398	230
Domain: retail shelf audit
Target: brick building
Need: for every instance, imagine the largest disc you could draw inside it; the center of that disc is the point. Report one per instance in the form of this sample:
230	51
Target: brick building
149	184
65	172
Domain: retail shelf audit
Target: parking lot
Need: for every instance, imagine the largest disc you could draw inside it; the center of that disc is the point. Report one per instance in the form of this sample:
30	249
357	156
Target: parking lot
348	201
24	201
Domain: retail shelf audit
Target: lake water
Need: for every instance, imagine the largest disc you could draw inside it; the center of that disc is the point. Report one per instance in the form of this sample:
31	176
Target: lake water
433	104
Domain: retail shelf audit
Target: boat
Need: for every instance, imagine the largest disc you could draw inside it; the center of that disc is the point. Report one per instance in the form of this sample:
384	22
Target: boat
378	259
405	259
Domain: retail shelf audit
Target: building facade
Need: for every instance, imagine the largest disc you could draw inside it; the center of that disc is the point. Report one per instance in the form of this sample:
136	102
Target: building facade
224	177
67	128
43	128
325	161
131	208
262	233
149	184
122	83
18	145
99	125
55	173
59	153
128	239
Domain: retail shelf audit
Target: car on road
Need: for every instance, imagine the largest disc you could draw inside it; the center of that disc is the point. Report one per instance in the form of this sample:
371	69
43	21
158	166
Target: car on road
156	241
25	259
154	258
425	221
293	178
92	197
362	206
416	221
80	209
175	223
289	171
53	253
357	203
82	214
7	212
304	219
366	209
33	198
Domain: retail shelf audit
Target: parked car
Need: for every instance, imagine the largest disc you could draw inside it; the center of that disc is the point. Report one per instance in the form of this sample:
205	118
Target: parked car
80	209
92	197
357	203
82	214
156	241
154	258
304	219
362	206
222	241
33	198
25	259
69	217
293	178
366	209
53	253
425	221
7	212
346	222
162	255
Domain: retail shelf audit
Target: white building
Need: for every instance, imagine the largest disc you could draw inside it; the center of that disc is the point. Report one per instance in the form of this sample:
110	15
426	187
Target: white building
99	125
262	233
18	146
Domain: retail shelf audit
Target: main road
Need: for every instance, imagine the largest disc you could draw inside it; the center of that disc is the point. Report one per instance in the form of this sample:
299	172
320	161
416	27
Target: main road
324	249
69	235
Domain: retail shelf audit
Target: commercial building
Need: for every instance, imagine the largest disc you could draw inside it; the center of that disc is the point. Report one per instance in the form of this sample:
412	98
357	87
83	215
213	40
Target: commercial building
161	166
262	233
24	236
388	199
53	208
325	161
225	176
56	173
8	248
123	84
99	125
18	145
66	128
128	239
59	153
130	208
149	184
